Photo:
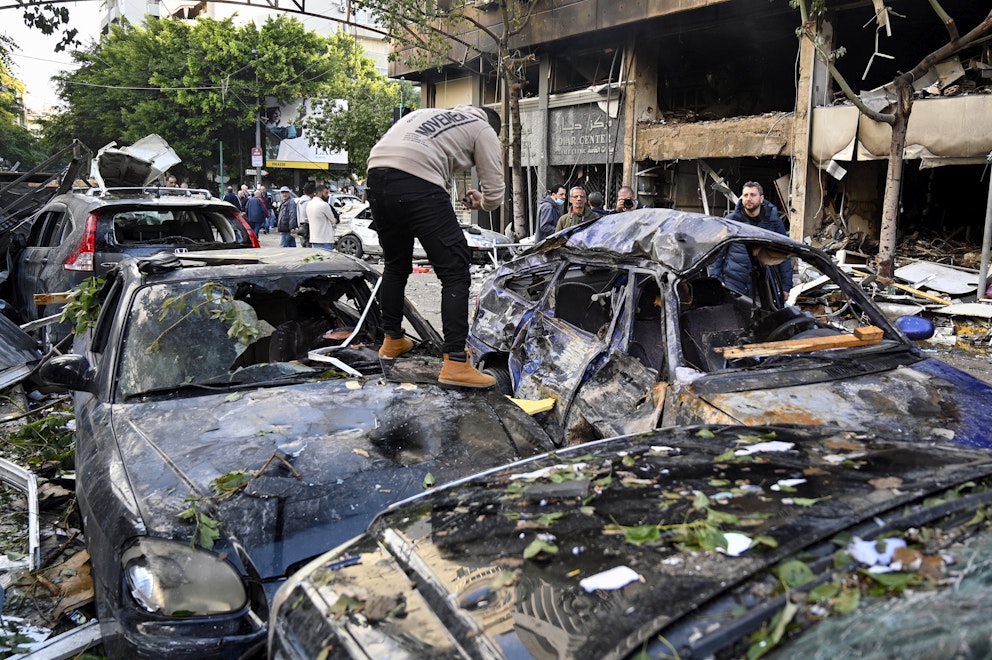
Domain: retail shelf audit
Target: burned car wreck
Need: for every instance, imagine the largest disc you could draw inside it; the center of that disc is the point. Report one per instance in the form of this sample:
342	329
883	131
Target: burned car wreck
233	420
713	542
620	322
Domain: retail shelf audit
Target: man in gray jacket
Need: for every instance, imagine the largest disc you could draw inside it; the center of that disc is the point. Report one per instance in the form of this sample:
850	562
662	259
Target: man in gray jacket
411	169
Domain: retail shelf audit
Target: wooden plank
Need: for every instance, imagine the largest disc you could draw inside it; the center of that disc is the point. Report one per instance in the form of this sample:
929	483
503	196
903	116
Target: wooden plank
916	292
862	337
51	298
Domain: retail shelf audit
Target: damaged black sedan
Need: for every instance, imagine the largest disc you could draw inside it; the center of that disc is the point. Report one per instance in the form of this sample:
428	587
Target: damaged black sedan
682	543
233	420
624	324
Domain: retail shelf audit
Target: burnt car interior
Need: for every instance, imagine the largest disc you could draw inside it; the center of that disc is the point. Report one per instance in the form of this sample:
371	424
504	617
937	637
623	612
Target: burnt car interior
187	226
585	297
714	318
224	332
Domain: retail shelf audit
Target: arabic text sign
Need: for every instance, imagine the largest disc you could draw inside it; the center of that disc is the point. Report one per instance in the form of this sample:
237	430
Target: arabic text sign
582	133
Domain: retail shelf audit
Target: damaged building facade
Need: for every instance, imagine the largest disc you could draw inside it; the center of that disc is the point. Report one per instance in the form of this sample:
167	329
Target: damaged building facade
685	100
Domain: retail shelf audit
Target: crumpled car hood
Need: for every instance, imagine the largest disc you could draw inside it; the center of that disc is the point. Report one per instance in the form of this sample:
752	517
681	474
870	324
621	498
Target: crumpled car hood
356	449
928	400
461	558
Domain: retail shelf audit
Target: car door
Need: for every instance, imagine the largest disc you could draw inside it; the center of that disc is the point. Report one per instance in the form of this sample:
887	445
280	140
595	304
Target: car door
574	348
32	272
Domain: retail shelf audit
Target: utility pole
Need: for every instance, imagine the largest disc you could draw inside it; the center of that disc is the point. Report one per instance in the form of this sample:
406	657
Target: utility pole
258	123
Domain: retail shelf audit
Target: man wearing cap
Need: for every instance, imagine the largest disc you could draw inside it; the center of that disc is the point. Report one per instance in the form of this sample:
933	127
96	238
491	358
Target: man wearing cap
287	222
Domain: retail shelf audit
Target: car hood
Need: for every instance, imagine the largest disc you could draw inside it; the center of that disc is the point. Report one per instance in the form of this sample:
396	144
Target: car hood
928	399
330	455
606	547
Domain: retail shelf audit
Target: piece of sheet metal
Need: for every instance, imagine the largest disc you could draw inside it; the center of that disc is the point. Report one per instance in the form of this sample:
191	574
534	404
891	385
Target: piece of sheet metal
25	480
938	277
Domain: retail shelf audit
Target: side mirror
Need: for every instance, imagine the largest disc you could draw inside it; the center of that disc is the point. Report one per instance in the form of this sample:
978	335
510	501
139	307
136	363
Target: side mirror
916	328
73	372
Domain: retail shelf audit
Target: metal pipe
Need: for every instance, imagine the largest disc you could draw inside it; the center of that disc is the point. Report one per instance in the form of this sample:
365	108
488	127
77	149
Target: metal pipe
983	271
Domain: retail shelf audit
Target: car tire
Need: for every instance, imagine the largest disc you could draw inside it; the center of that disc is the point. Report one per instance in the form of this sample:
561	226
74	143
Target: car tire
502	375
350	245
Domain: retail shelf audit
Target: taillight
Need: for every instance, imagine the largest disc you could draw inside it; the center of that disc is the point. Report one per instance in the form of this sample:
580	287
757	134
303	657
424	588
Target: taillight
84	255
244	223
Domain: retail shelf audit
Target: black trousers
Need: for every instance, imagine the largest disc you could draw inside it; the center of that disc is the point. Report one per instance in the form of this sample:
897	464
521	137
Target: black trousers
405	207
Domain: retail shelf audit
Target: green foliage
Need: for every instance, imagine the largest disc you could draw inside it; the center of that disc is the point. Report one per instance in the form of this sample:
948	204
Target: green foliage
192	83
215	301
538	547
43	442
84	304
207	529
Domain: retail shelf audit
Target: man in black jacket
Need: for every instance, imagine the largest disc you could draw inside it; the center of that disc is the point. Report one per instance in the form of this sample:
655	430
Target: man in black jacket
734	267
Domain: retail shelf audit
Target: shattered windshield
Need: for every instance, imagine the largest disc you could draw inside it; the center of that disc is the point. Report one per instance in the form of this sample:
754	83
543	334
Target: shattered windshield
751	305
221	333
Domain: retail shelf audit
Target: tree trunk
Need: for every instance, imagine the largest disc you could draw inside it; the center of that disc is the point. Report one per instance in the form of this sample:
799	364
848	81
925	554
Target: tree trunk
893	178
517	173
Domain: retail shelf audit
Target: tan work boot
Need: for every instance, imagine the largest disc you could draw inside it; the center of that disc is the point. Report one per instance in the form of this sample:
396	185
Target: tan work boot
456	370
392	348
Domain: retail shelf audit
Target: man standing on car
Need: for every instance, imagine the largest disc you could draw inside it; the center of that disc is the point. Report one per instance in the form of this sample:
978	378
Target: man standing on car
578	210
287	223
410	171
735	266
321	218
549	211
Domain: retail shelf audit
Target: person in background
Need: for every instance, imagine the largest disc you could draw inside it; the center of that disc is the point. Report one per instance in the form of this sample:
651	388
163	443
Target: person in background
549	211
286	223
257	212
734	267
171	181
411	169
303	231
578	210
231	198
321	218
596	201
626	200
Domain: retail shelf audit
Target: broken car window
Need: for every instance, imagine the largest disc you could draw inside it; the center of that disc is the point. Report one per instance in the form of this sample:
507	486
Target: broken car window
587	297
234	332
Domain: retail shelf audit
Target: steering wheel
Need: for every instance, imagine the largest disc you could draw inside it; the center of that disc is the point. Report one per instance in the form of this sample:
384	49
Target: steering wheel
792	327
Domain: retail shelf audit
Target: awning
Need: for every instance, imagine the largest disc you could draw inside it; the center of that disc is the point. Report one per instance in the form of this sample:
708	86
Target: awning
942	131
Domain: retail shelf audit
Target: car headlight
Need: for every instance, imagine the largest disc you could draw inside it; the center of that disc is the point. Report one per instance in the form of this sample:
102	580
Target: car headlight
172	578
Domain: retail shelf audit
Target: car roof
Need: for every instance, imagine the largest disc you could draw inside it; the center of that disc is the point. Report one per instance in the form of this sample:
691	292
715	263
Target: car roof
241	262
144	196
677	239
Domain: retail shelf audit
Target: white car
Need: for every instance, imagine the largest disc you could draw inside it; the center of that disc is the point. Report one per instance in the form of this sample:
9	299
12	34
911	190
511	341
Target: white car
355	236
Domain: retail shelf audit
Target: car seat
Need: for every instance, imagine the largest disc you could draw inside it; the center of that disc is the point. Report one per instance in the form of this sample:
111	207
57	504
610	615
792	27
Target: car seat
715	317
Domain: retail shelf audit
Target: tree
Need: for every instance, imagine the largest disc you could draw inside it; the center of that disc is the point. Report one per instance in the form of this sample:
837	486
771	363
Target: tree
192	83
433	34
17	144
899	110
367	112
50	18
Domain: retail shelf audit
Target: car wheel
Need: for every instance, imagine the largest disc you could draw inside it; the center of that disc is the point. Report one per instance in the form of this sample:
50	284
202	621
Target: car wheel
351	245
502	375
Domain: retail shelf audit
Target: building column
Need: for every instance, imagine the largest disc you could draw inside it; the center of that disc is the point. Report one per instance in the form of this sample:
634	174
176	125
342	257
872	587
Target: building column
640	100
813	84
